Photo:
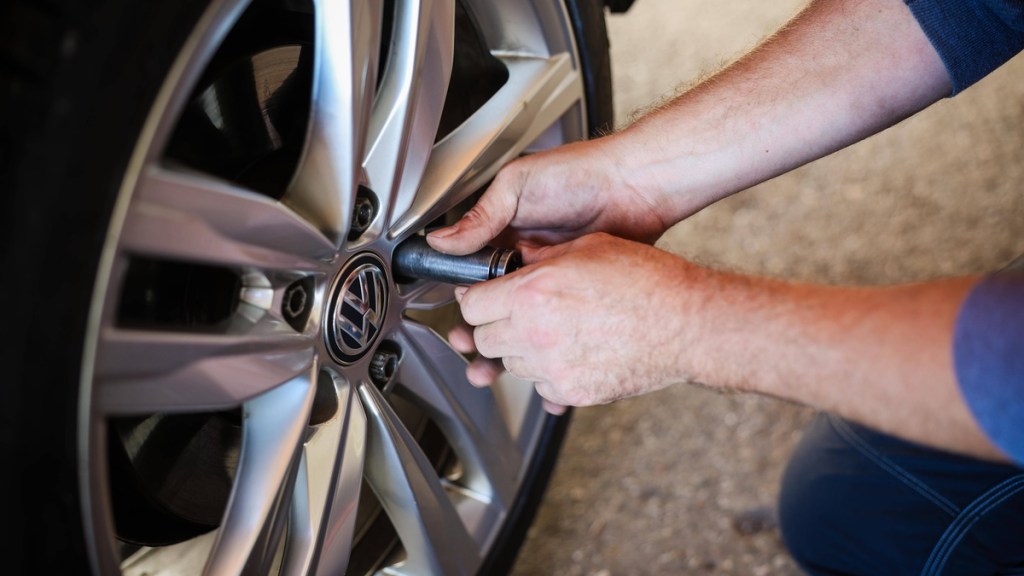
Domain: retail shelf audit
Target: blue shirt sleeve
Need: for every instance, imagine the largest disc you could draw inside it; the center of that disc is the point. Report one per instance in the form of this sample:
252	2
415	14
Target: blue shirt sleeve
988	355
973	37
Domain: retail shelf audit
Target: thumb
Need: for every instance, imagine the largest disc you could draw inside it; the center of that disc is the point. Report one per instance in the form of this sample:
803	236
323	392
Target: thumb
484	221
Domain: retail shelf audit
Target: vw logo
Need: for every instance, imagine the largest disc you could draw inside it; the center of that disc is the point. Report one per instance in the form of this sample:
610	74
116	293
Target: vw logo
357	309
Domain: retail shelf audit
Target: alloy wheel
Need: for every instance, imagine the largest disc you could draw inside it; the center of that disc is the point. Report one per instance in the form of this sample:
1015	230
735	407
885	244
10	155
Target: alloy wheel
261	393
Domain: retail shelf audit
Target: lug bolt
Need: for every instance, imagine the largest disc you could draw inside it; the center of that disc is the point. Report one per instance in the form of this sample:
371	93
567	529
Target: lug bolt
384	365
362	213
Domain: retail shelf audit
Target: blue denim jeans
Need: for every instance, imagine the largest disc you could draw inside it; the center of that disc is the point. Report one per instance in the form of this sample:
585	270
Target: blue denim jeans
854	501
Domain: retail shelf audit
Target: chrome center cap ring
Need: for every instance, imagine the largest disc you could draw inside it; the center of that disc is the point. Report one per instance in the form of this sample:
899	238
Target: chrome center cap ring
355	313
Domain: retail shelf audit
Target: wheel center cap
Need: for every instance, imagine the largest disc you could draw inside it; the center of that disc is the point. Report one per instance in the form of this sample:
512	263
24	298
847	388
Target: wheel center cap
358	303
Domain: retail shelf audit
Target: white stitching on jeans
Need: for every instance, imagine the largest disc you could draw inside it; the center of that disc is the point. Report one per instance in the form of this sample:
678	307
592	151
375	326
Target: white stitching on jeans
967	519
898	472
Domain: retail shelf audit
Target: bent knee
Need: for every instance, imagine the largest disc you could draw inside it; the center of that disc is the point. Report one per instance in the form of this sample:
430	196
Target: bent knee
843	509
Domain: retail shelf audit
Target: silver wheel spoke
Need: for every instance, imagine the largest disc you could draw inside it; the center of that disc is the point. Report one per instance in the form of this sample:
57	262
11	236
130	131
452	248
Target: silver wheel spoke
147	371
347	46
538	92
167	335
428	296
273	424
433	376
197	218
310	500
435	540
408	109
329	481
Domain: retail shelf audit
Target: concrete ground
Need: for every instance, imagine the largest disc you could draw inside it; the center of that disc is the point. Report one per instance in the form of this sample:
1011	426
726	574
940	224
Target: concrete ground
660	484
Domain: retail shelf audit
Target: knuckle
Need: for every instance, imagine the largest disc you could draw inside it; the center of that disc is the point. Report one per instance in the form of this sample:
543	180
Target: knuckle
535	314
468	309
506	177
484	222
549	391
478	213
569	395
498	206
475	307
484	340
569	382
511	365
535	293
577	397
595	239
518	367
544	338
512	175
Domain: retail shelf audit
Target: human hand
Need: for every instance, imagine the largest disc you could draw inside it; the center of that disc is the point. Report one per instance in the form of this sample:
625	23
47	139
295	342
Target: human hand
483	371
554	196
590	321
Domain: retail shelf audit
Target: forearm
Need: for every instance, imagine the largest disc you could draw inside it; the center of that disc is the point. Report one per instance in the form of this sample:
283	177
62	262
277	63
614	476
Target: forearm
879	356
840	71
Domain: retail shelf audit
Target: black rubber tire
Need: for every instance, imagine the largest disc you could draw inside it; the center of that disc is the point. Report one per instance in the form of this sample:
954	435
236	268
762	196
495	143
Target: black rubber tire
77	79
588	24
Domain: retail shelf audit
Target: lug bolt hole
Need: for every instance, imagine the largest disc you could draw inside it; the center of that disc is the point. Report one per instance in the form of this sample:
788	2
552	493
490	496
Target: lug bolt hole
294	301
297	303
325	400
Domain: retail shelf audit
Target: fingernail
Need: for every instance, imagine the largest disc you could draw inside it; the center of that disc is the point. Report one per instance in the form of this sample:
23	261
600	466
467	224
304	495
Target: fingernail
460	291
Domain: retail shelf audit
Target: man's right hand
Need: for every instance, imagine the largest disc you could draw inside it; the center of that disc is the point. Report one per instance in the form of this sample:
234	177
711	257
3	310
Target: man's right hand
553	197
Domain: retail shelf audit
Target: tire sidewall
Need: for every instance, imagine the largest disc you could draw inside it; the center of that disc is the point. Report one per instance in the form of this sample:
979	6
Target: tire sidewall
78	125
590	33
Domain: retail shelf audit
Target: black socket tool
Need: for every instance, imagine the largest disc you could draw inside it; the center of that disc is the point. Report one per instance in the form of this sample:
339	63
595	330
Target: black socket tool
415	259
